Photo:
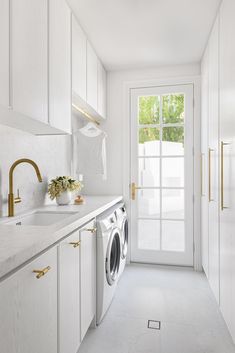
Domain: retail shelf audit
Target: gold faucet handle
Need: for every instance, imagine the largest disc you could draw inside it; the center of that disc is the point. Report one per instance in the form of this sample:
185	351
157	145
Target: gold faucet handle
18	198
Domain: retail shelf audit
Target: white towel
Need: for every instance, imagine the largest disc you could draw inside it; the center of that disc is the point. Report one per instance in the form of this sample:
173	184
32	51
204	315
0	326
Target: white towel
90	151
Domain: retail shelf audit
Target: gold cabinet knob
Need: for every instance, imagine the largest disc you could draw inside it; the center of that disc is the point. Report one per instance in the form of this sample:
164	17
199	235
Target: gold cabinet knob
76	243
92	230
41	273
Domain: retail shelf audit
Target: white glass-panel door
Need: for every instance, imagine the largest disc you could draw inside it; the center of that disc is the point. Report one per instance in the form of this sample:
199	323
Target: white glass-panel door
162	175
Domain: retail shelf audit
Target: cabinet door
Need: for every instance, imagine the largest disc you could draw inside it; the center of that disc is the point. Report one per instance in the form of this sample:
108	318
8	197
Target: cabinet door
60	65
92	77
88	276
28	308
69	297
4	57
227	133
29	58
78	60
213	163
102	90
204	163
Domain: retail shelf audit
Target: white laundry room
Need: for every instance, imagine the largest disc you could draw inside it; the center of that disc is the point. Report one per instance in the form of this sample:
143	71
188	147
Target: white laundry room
117	176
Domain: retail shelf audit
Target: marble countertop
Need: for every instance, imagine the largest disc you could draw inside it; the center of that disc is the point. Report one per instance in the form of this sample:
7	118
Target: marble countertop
19	244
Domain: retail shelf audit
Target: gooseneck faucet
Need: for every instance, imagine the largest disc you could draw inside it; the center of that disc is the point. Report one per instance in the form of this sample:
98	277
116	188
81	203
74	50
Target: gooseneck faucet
11	198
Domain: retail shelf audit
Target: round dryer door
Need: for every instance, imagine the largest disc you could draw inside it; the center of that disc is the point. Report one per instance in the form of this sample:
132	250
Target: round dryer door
124	238
113	256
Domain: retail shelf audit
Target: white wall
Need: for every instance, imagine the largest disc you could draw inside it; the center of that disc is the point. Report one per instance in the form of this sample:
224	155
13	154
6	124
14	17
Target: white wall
51	153
114	126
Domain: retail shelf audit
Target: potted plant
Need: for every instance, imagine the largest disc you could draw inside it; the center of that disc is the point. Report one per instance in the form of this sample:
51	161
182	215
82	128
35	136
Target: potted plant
61	188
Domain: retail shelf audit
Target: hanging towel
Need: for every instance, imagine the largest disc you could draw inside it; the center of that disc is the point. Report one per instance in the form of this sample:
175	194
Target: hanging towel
90	151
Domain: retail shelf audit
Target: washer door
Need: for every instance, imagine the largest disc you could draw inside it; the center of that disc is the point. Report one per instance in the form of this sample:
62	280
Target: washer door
113	256
125	234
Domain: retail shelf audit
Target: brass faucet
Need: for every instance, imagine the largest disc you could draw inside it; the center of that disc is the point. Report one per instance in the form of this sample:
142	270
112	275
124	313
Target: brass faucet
11	198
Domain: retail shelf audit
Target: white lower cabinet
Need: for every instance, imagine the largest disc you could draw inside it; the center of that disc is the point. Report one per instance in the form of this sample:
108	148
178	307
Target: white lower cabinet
88	276
28	308
69	294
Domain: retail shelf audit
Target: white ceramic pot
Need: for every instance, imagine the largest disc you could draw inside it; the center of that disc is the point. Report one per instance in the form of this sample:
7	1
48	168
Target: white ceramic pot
64	198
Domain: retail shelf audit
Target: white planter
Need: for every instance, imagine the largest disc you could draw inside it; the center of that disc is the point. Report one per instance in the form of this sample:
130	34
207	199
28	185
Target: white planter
64	198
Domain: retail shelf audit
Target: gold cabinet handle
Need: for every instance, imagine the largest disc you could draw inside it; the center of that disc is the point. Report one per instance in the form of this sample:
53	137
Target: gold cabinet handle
76	243
41	273
222	174
209	174
133	190
92	230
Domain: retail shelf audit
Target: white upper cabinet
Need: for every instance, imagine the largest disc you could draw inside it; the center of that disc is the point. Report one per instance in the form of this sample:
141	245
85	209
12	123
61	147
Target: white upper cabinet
60	65
102	90
30	58
92	77
4	57
78	60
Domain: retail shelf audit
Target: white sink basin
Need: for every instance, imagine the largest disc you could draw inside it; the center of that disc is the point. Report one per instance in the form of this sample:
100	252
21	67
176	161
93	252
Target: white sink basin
40	219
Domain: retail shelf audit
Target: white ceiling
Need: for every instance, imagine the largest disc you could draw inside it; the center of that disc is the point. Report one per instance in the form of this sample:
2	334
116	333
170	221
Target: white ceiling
144	33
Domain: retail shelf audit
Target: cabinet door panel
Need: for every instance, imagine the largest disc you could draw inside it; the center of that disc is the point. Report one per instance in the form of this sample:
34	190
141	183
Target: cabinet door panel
29	58
60	65
28	308
213	143
101	90
4	57
88	277
92	77
78	60
227	133
69	307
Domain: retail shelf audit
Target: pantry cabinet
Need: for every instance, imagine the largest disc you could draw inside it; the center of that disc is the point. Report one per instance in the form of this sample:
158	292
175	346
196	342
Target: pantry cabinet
28	308
69	293
78	60
60	65
92	77
29	58
88	276
4	57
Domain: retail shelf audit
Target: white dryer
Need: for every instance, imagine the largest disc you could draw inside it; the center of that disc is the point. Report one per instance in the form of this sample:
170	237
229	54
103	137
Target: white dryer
122	224
108	261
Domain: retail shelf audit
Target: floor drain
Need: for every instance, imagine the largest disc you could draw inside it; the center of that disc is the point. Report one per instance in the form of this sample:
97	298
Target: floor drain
154	325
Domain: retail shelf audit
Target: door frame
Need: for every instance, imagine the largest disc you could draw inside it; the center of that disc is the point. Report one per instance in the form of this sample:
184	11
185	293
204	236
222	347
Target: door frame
126	124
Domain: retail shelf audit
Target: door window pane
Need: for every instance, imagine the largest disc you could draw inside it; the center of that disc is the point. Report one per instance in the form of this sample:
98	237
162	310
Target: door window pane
149	172
173	172
149	203
173	204
149	234
173	141
149	141
173	236
173	108
149	110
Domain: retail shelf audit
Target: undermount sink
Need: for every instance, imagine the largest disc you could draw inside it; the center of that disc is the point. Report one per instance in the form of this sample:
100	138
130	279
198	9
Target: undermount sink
40	219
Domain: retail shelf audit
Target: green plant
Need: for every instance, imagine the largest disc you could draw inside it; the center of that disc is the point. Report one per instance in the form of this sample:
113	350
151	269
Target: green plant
62	183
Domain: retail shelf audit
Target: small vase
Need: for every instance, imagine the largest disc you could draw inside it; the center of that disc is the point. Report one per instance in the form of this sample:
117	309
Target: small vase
64	198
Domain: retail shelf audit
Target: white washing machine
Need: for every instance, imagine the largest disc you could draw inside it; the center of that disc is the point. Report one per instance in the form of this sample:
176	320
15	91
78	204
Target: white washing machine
122	224
108	261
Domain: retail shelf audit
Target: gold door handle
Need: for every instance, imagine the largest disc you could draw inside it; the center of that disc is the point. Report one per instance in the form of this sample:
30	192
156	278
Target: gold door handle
222	174
41	273
209	174
76	243
92	230
133	190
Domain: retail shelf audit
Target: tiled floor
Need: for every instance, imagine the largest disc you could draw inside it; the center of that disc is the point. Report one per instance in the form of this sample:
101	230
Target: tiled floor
180	298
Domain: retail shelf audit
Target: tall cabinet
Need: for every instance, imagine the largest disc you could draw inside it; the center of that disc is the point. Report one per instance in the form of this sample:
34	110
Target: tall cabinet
218	168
